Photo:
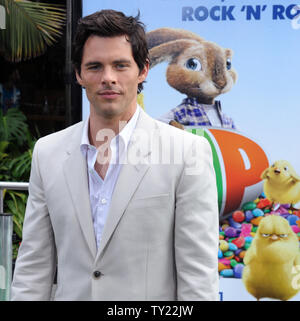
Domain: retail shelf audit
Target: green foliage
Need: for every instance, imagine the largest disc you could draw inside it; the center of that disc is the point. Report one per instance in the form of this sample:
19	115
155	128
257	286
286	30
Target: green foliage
38	25
16	205
13	126
16	147
3	146
20	166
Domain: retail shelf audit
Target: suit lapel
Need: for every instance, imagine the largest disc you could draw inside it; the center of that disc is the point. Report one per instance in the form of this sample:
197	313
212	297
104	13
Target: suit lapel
129	178
128	181
75	171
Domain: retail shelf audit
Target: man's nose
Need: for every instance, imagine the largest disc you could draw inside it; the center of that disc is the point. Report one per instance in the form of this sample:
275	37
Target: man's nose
108	76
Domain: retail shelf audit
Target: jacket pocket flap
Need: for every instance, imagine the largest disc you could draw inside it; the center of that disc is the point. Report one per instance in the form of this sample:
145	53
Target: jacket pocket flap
150	201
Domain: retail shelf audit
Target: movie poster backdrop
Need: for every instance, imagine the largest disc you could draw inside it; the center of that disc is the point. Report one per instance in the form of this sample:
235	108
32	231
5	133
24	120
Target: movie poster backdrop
230	71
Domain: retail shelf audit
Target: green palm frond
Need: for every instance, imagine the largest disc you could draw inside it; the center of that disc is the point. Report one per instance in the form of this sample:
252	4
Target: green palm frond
16	205
13	126
3	146
20	166
30	28
3	155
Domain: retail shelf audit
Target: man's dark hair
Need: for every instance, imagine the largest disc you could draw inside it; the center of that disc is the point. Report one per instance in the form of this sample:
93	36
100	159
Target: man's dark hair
110	23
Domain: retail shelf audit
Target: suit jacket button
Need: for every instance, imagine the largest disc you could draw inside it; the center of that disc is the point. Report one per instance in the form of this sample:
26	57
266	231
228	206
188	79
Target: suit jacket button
97	274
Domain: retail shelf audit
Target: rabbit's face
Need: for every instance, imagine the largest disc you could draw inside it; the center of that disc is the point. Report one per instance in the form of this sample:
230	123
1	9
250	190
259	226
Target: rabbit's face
202	71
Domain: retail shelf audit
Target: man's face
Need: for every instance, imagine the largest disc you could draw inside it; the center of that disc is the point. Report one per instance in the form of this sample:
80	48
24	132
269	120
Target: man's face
110	76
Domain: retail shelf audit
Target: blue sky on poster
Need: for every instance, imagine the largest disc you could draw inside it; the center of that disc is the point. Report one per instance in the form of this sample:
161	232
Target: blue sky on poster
265	102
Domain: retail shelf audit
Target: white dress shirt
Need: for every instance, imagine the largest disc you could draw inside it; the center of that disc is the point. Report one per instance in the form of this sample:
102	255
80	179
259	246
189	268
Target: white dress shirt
100	190
212	114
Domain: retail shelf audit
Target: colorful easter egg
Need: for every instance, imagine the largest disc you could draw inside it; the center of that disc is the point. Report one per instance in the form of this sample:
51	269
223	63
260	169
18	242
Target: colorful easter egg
248	215
238	270
228	273
249	206
263	203
220	254
292	219
295	228
230	232
258	212
256	220
232	247
246	229
238	216
223	245
222	267
239	242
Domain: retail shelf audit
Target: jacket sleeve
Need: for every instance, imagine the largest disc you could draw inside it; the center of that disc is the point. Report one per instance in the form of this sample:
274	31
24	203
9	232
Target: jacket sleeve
36	261
196	226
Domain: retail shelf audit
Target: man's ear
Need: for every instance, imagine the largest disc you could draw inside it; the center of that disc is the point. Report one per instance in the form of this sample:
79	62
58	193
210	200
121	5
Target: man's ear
144	72
79	80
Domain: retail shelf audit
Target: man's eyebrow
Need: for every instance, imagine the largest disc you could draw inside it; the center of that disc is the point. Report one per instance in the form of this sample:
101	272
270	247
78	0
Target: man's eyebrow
97	63
122	61
92	63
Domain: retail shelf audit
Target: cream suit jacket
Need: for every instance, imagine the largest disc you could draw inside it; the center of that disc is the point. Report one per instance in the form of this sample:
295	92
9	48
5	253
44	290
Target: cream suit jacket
160	240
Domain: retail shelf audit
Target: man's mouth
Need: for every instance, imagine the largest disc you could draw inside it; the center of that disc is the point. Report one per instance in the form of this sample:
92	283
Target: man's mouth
109	94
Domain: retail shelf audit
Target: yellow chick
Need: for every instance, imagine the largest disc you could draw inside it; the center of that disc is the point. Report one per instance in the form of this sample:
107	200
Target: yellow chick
271	260
140	100
282	184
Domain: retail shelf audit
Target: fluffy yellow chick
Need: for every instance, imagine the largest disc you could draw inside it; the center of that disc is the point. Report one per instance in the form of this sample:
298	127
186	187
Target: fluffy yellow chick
270	260
282	184
140	100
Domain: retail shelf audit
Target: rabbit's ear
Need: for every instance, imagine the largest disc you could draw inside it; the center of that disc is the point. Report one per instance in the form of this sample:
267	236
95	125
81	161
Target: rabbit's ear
165	35
229	52
169	51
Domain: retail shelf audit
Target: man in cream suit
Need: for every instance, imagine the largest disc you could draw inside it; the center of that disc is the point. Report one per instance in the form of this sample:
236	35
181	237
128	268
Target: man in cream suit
123	205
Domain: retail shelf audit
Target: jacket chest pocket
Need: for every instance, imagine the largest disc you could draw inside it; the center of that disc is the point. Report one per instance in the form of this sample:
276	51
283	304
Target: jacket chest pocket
154	201
148	219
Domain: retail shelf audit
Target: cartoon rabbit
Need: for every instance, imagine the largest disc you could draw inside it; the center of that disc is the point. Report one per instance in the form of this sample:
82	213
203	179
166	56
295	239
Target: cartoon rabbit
198	68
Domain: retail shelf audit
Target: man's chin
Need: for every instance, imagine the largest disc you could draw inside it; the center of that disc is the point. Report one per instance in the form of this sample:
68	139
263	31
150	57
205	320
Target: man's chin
108	112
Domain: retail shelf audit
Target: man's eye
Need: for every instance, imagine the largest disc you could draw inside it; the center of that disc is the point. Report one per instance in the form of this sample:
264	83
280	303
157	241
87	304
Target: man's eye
93	67
121	66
